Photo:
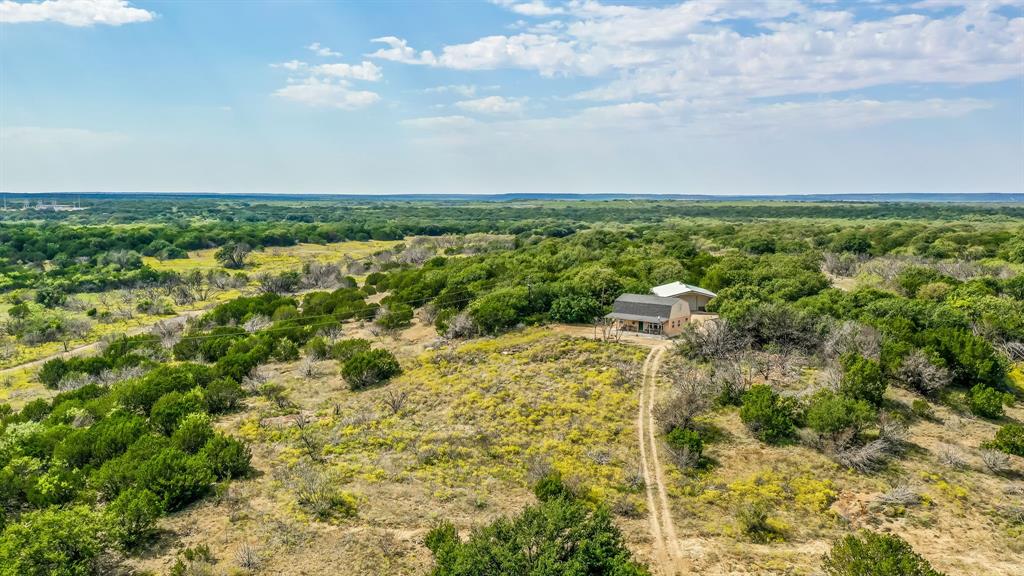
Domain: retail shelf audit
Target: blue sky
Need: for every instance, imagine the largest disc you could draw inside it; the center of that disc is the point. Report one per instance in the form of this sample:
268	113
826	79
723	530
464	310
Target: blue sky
581	96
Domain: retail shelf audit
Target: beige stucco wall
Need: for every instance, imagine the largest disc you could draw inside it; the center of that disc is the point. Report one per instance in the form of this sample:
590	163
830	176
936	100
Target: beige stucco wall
694	301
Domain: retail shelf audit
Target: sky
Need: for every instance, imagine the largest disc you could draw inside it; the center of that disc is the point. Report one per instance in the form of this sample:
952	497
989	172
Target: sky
512	96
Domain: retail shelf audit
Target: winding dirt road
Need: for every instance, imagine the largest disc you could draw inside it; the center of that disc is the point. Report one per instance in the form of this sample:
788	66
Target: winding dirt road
668	556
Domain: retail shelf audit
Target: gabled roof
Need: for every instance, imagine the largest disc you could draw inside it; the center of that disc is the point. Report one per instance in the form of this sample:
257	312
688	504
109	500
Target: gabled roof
677	288
642	307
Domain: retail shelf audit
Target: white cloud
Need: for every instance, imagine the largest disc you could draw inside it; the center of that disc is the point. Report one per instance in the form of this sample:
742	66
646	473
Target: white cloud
329	85
292	65
530	8
321	50
79	13
492	105
398	50
464	90
697	49
364	71
313	91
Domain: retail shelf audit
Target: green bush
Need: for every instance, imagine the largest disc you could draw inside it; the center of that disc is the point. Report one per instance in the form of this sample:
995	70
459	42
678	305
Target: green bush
193	432
769	416
862	379
1009	439
986	402
223	395
345	349
176	478
872	554
394	316
831	414
118	474
132	517
559	536
285	351
576	309
686	441
227	457
52	542
551	487
370	368
317	348
172	407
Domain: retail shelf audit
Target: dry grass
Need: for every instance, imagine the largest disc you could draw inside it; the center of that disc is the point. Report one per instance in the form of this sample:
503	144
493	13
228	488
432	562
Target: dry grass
475	423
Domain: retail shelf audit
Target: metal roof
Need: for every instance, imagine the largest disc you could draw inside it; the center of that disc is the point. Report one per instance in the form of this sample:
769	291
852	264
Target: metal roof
652	308
677	288
637	317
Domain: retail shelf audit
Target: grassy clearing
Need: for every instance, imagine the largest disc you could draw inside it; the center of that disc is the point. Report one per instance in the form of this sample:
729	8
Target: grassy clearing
962	522
272	260
275	260
479	422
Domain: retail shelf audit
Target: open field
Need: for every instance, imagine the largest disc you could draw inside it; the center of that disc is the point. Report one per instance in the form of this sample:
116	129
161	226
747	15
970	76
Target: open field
480	422
22	359
276	259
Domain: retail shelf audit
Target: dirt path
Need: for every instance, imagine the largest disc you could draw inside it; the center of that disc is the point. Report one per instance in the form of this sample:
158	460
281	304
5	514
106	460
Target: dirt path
79	350
669	559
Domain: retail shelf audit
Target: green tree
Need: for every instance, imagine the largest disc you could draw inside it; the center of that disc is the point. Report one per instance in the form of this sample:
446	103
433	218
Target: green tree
769	416
233	255
862	379
575	309
832	414
193	432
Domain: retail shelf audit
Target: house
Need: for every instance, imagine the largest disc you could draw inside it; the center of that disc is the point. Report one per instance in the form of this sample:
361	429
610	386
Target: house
649	314
696	298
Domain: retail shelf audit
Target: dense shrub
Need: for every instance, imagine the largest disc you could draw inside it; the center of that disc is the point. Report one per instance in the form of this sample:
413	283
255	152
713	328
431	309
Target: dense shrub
227	457
285	351
132	517
576	309
176	478
118	474
193	431
223	395
370	368
394	315
54	541
862	379
1010	439
551	487
872	554
172	407
831	414
986	402
317	348
687	443
345	349
559	536
769	416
